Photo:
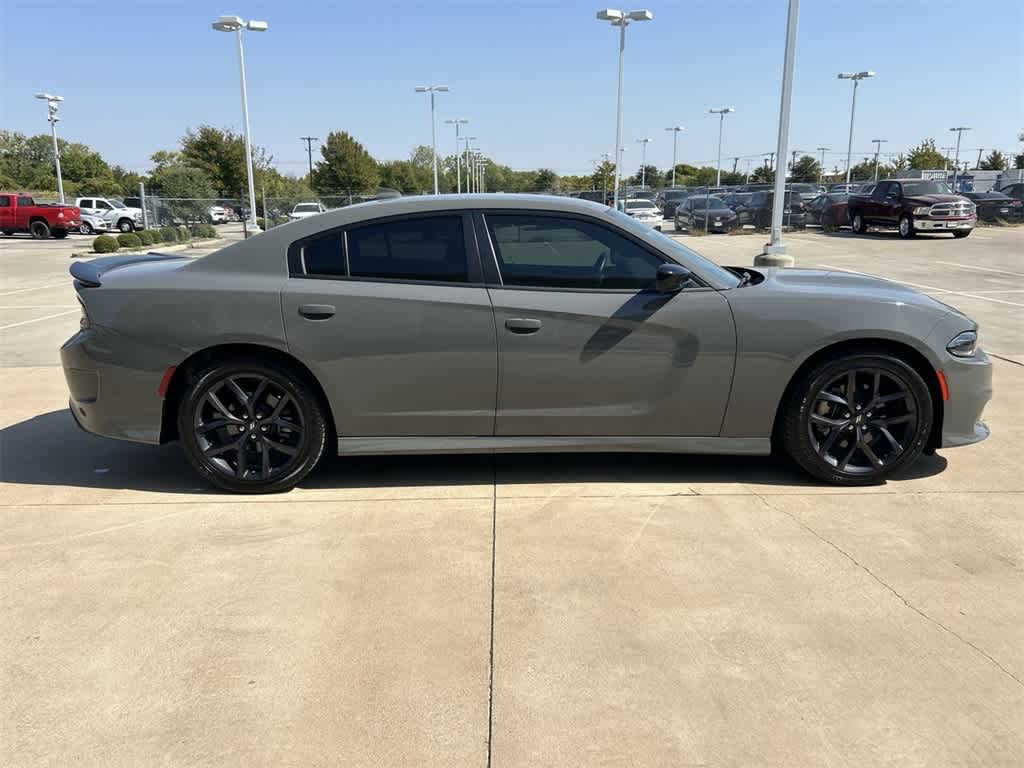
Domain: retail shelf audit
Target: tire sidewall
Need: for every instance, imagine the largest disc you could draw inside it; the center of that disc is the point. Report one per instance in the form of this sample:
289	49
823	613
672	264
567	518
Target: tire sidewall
85	228
125	226
796	437
39	230
314	433
858	224
909	233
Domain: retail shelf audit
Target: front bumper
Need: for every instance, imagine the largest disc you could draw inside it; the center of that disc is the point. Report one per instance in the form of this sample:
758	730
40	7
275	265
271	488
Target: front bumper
108	398
969	381
926	224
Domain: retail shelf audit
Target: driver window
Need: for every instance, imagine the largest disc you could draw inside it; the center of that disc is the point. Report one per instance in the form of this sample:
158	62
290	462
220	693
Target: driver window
556	252
103	205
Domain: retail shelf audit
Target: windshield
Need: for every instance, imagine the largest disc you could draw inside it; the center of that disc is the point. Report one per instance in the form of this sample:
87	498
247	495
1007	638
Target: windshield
639	205
712	202
115	202
925	188
678	251
307	208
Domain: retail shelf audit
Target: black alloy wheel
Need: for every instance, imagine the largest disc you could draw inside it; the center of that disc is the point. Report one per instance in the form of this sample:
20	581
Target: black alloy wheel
859	419
252	428
39	230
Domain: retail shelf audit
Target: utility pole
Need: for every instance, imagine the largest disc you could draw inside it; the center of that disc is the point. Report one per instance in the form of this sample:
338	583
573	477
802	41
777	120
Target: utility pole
309	153
959	131
878	147
821	166
978	164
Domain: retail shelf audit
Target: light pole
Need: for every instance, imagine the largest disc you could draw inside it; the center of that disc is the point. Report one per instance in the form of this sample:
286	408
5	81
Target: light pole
467	139
878	148
52	105
821	166
621	20
774	253
432	89
458	173
721	120
643	161
956	160
309	152
675	137
236	24
856	77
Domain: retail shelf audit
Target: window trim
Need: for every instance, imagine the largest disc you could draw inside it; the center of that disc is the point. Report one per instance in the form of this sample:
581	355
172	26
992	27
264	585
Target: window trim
474	276
482	214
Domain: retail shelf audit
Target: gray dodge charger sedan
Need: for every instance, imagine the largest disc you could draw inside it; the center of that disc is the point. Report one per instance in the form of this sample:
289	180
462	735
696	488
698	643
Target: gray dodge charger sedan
510	323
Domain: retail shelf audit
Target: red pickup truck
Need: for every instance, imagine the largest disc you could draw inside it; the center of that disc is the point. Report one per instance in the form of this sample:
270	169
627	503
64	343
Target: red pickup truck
19	213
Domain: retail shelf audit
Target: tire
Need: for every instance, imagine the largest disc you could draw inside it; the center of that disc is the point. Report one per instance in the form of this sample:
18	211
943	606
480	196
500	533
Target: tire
857	224
216	440
85	228
126	225
960	235
8	232
59	234
827	438
906	228
39	230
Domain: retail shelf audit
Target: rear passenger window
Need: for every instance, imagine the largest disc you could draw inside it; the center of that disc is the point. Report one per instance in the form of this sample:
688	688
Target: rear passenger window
323	255
429	248
5	201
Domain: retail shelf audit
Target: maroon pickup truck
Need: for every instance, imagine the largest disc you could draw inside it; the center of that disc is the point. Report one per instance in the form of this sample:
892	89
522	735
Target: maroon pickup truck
19	213
912	206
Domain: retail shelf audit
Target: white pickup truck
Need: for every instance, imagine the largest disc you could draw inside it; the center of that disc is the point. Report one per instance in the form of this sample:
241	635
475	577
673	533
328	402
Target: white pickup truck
118	215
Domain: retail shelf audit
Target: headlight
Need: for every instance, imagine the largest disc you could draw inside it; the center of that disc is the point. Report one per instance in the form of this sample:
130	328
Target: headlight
963	344
923	211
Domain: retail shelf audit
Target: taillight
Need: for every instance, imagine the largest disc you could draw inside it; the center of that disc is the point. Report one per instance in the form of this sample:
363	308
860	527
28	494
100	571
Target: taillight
83	321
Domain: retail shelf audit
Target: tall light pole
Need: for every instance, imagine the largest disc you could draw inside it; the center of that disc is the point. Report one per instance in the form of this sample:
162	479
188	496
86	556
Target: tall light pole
821	166
432	89
467	139
458	172
878	148
856	77
956	160
52	105
621	20
309	152
643	160
721	120
774	253
675	137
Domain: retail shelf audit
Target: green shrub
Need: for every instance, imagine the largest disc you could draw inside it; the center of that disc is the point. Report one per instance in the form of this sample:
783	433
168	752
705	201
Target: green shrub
128	240
147	236
261	223
183	234
169	234
209	231
104	244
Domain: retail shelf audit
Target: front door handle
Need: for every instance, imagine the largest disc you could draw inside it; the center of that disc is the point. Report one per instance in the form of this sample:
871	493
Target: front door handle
522	325
317	311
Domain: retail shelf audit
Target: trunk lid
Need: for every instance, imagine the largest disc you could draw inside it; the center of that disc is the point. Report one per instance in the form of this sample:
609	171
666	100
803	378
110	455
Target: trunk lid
90	273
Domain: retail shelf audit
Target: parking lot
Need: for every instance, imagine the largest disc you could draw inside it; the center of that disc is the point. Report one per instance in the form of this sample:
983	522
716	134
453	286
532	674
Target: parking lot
645	610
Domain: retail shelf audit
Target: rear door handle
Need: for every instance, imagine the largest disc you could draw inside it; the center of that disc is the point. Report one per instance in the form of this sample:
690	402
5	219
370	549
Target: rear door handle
317	311
522	325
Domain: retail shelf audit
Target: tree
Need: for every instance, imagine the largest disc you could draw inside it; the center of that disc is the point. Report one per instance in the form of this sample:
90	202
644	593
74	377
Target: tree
1018	161
604	175
926	156
806	169
405	176
763	173
648	174
189	191
995	161
545	180
346	166
865	170
221	154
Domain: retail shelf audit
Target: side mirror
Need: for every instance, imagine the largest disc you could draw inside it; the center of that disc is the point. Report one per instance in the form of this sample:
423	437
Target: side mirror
671	278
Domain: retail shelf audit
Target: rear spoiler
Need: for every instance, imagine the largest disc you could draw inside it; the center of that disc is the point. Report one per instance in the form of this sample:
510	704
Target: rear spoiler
89	273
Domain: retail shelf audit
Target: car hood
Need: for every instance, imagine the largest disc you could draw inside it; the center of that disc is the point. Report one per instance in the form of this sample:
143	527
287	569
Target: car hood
932	199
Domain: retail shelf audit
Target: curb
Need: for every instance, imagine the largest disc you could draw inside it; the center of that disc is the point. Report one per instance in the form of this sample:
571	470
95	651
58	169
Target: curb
168	249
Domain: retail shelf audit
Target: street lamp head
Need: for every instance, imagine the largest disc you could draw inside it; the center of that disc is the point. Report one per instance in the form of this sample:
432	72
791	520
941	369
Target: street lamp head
643	141
610	14
676	128
722	111
865	73
430	88
961	128
49	97
456	121
641	15
855	75
256	26
228	24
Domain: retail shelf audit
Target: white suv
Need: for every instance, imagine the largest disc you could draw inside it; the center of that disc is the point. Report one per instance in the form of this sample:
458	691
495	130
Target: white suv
117	214
305	210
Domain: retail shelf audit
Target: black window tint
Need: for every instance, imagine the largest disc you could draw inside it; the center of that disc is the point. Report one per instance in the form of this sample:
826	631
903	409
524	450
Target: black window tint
26	201
553	252
430	248
323	255
5	201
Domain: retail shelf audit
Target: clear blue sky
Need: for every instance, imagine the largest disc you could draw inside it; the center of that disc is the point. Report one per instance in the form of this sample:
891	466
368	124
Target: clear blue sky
537	79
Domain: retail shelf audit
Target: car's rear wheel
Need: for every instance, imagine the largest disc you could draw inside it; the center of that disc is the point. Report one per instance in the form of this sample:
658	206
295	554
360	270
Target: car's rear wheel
85	228
962	233
39	230
858	225
858	419
906	227
251	427
8	232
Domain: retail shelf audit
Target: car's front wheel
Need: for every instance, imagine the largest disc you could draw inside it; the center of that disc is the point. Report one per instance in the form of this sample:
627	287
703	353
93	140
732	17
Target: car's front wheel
961	233
251	427
126	225
857	419
85	228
